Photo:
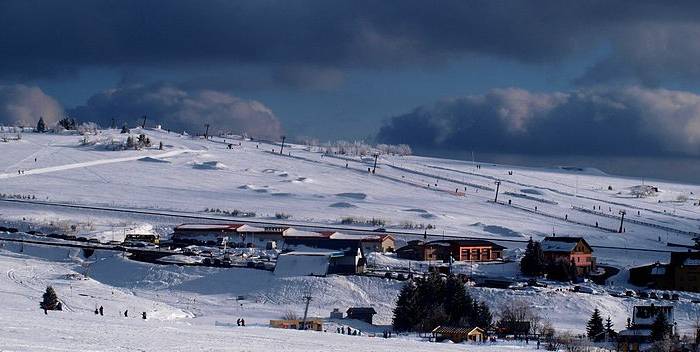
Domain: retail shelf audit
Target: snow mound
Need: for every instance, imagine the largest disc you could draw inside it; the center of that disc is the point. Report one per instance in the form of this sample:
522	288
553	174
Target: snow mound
153	160
342	205
210	165
532	191
359	196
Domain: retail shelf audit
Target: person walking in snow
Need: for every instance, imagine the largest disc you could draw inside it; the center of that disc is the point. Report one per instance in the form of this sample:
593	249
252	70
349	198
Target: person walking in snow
97	311
143	315
238	322
242	322
126	313
101	311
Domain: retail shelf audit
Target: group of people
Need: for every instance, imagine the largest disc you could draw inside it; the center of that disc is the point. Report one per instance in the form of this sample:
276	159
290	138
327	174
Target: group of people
100	311
342	330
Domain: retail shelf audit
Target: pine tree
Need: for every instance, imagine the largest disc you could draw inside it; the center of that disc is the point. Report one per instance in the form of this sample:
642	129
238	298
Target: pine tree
67	123
609	332
41	125
50	301
660	328
125	129
405	313
595	328
533	261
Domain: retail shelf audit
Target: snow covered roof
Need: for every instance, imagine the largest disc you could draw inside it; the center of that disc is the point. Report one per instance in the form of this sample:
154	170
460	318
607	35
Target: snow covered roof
302	263
561	244
207	227
364	238
298	233
635	332
248	228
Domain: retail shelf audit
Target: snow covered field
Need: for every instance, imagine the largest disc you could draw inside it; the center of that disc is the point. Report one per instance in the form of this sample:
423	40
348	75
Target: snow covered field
191	175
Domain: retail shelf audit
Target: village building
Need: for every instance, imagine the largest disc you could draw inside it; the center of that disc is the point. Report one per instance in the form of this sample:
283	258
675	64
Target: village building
315	324
318	262
639	332
459	250
145	237
458	335
681	273
574	250
361	313
209	234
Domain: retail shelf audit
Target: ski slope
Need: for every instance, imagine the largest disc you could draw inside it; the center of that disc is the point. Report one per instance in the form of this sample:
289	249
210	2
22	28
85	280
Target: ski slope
192	175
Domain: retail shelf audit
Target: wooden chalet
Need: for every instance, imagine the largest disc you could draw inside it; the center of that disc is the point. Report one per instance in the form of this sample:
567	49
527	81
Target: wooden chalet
459	250
571	249
361	313
457	334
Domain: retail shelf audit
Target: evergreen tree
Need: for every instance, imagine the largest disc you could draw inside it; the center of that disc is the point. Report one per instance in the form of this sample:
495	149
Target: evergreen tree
609	332
125	129
41	125
533	262
561	270
595	328
425	303
484	318
660	328
50	301
67	123
405	313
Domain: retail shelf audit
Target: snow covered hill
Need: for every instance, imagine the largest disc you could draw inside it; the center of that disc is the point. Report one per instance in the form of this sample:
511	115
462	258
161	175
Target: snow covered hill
193	176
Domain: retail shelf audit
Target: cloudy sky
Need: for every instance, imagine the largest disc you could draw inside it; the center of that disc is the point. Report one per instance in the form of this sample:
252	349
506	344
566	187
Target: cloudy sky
541	77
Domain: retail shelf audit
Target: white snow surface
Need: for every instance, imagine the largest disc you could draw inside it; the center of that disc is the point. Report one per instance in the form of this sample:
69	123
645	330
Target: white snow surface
184	303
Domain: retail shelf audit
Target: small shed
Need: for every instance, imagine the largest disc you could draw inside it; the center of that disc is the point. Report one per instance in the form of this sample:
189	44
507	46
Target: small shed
315	324
361	313
457	334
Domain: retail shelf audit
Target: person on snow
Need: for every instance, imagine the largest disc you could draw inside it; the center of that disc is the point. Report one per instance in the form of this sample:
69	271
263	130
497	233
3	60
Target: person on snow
101	311
126	313
242	322
238	321
143	315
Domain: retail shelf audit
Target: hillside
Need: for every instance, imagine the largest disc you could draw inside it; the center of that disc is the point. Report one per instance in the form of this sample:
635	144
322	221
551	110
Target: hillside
196	177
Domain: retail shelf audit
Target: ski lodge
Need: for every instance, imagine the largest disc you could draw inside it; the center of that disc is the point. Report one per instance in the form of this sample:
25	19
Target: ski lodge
459	250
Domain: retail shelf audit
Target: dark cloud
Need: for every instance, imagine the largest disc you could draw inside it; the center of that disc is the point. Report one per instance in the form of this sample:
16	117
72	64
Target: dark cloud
180	110
627	121
313	38
23	105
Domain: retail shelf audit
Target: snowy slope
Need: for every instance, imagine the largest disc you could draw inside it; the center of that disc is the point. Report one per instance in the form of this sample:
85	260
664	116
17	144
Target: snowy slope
191	175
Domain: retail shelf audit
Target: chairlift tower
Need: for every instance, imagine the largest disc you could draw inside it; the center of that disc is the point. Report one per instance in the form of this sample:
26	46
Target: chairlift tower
306	311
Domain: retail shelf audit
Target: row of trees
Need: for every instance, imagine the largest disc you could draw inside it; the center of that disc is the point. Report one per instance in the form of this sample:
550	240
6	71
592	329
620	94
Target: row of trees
533	263
356	148
425	303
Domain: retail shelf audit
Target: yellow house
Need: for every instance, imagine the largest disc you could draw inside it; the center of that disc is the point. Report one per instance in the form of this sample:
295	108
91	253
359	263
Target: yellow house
315	324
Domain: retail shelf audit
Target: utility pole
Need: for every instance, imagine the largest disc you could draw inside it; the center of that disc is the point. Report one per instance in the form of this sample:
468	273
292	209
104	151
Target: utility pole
144	122
306	311
622	219
282	148
498	185
206	132
376	155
